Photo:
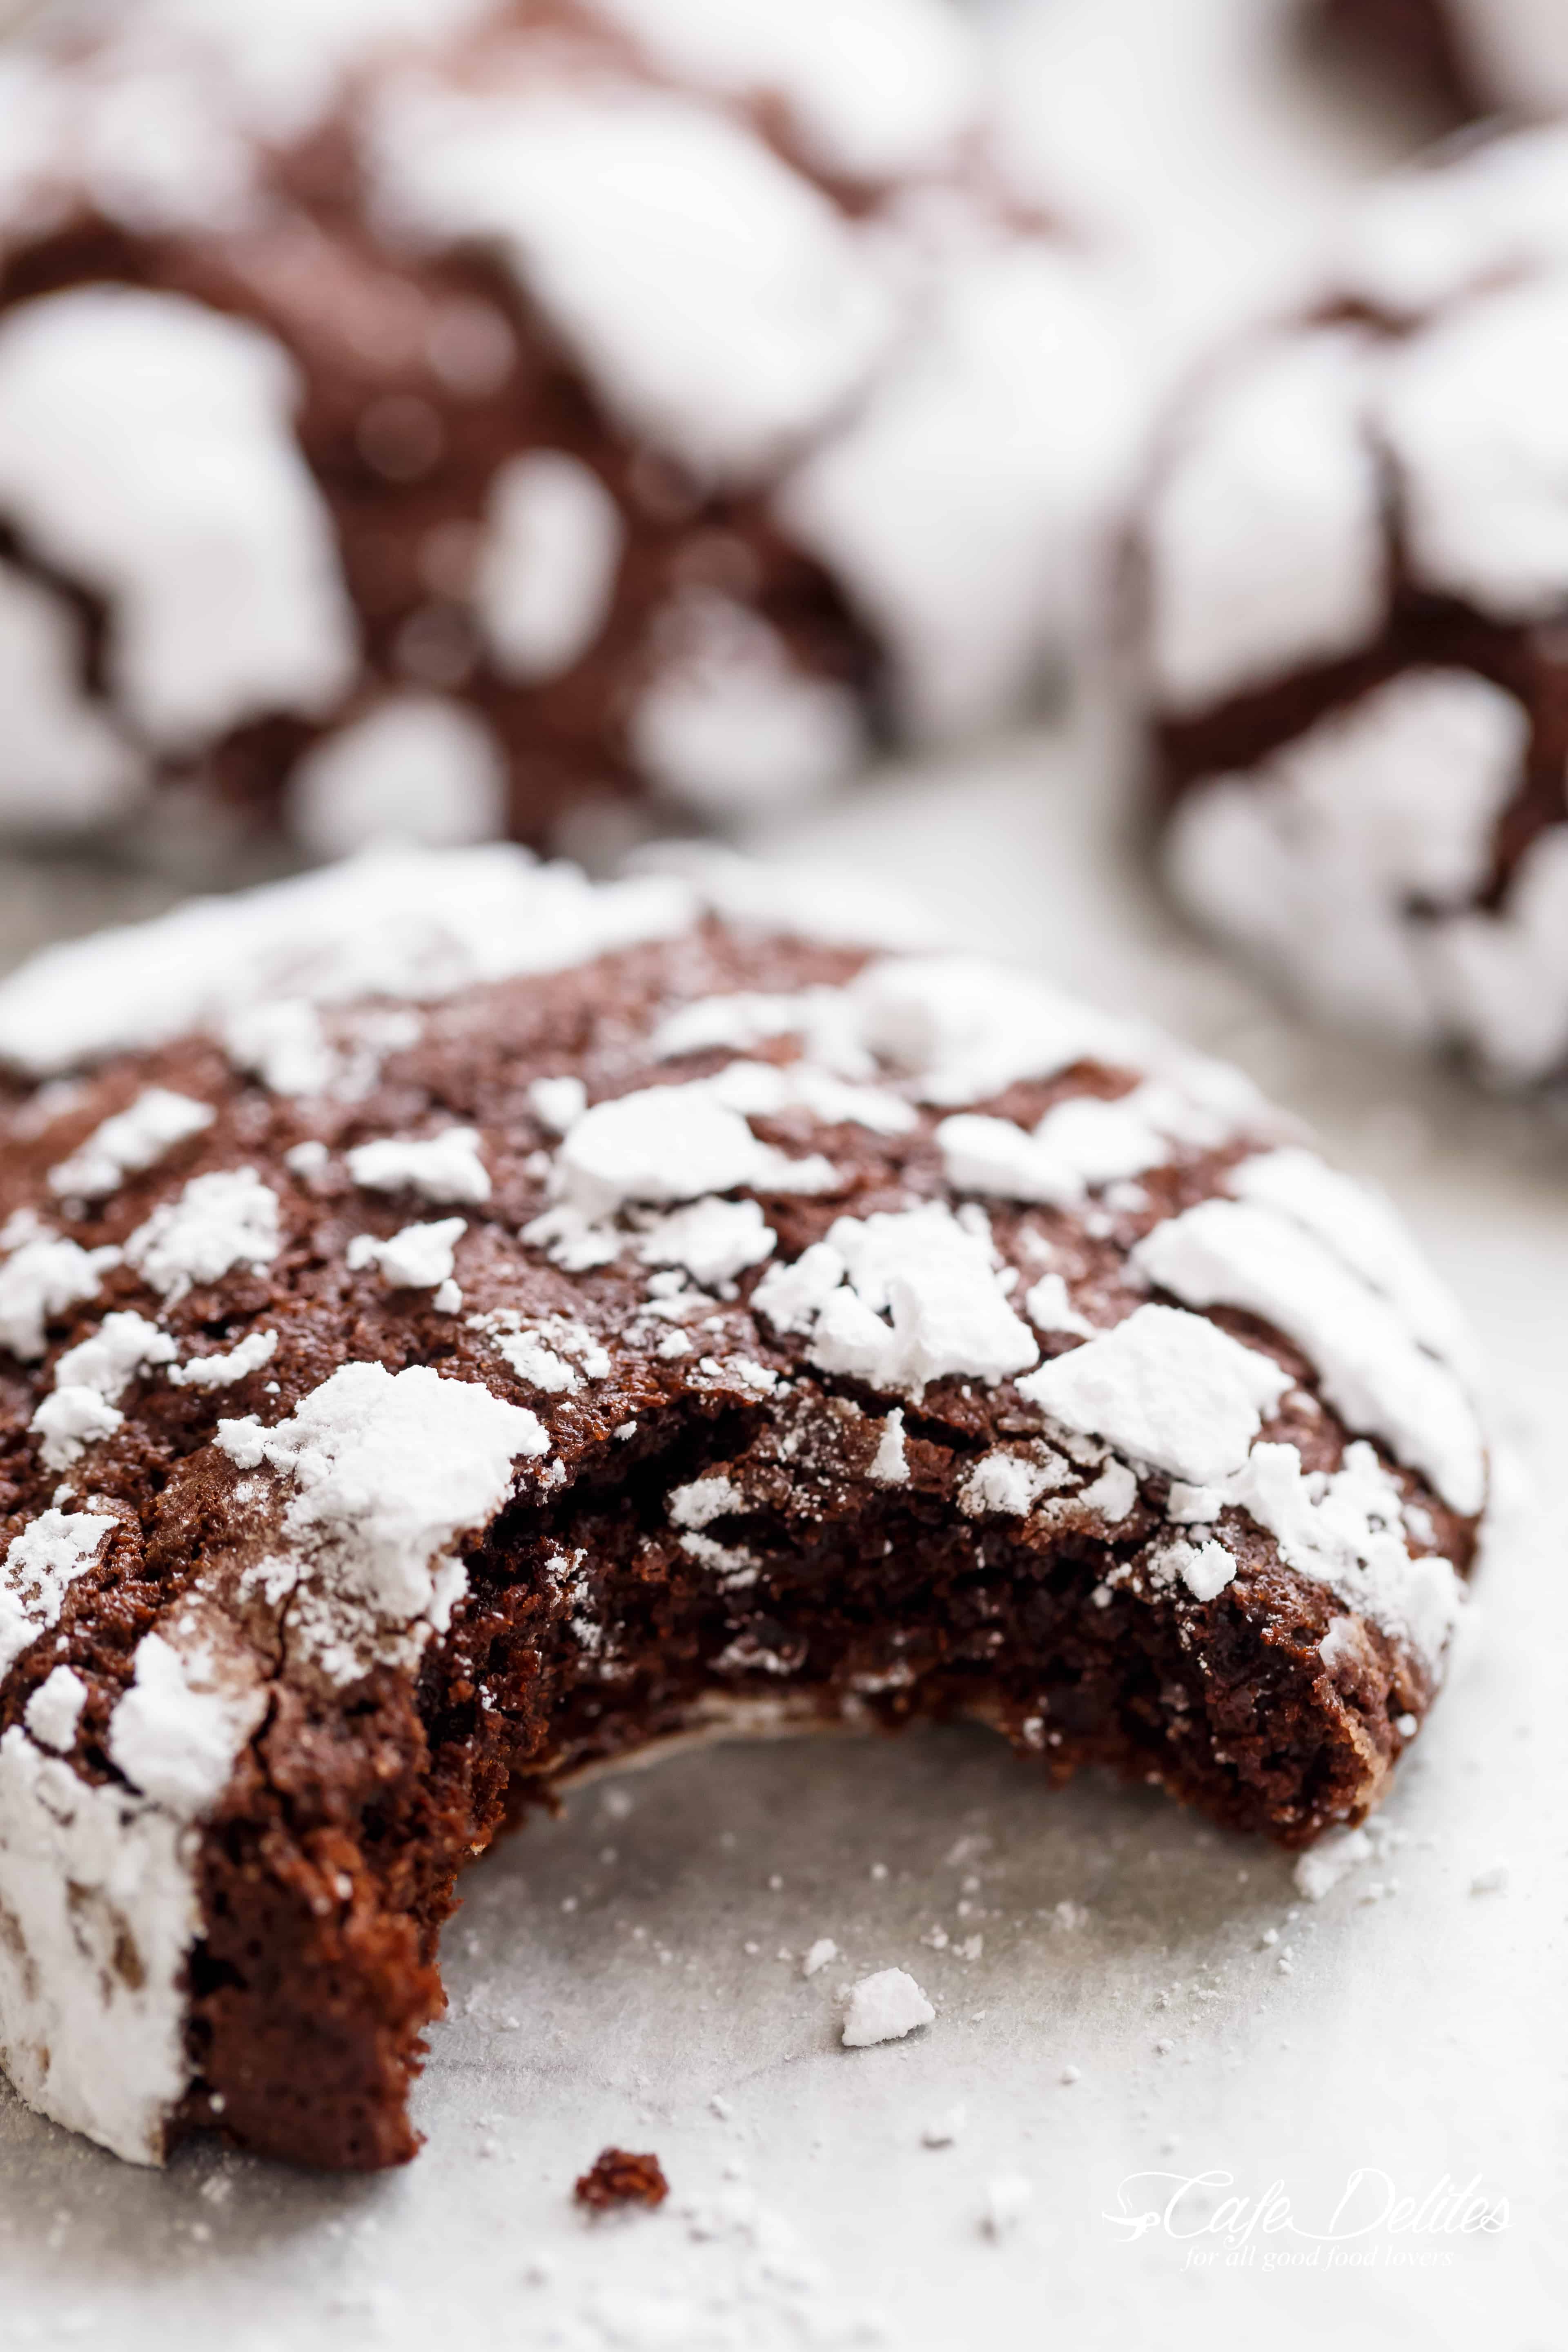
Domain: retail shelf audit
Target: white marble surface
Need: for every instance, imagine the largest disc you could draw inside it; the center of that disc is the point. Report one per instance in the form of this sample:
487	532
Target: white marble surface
604	1982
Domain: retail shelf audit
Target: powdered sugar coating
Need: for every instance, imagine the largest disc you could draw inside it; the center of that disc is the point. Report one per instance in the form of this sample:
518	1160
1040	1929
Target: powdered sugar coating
443	1168
884	2008
420	1257
728	723
1233	608
90	1380
63	764
55	1710
418	767
731	247
1167	1388
387	1470
934	1281
219	1220
611	209
223	1369
961	509
177	1731
185	498
1356	699
85	1873
39	1280
133	1140
874	87
39	1566
390	923
1472	412
1242	1254
552	546
1313	860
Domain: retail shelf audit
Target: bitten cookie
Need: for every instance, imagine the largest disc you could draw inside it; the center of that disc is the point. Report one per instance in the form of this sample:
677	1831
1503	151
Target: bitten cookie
1474	56
419	418
1354	576
461	1325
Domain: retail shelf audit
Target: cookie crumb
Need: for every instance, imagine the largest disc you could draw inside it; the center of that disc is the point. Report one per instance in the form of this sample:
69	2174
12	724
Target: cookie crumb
616	2177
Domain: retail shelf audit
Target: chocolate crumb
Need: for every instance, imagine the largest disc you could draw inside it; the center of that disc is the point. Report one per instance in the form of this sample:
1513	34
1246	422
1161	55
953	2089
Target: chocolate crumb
617	2177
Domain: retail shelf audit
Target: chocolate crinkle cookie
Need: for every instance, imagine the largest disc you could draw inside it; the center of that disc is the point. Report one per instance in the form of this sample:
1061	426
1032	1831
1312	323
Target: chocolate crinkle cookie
462	1325
434	414
1354	575
1470	56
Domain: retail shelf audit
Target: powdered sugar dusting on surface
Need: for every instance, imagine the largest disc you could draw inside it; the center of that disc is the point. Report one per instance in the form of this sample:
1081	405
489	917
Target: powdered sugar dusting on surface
1232	608
41	1279
131	1141
963	509
611	208
874	87
1363	1228
420	1257
1357	857
900	1299
1313	860
964	1029
63	764
1294	429
415	768
391	923
1473	415
185	500
728	724
440	1168
277	72
88	1873
547	572
90	1380
385	1471
55	1710
1374	1371
932	391
223	1220
1167	1388
227	1367
177	1733
40	1566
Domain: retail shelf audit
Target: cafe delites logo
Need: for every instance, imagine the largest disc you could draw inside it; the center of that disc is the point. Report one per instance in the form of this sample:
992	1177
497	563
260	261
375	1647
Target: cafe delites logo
1368	2221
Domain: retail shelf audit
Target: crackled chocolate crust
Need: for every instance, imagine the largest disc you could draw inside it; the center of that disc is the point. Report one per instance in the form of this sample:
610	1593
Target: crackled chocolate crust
1423	631
1395	611
709	594
315	287
726	1535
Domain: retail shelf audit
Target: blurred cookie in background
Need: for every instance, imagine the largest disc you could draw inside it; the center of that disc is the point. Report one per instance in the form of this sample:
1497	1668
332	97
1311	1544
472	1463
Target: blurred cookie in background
1352	571
434	415
1465	57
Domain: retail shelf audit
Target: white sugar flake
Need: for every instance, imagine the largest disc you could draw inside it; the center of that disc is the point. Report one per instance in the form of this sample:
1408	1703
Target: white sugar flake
884	2008
221	1220
131	1141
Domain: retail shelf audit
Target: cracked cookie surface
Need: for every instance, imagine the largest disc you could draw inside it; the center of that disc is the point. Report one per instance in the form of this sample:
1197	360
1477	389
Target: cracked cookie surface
462	1325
